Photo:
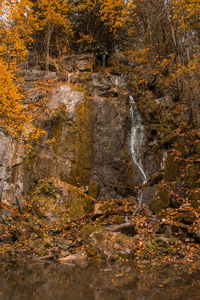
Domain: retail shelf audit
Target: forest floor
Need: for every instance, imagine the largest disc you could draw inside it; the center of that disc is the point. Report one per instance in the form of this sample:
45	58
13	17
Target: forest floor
168	236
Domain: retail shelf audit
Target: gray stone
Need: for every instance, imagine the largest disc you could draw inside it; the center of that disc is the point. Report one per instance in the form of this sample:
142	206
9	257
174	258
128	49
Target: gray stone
11	170
146	194
34	96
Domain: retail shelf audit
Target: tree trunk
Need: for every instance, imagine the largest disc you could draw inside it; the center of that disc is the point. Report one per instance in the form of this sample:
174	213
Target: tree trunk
49	33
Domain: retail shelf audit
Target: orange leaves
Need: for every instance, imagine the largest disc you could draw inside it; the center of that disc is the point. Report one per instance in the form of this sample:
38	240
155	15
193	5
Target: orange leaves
16	27
54	12
13	118
114	13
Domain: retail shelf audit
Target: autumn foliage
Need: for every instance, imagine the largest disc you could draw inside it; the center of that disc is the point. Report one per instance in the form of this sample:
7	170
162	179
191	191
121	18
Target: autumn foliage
162	34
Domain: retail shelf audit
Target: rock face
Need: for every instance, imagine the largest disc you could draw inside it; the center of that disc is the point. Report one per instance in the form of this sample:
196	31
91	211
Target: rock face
11	175
87	119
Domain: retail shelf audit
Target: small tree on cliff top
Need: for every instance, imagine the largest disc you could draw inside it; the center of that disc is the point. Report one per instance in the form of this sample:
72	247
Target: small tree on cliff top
53	14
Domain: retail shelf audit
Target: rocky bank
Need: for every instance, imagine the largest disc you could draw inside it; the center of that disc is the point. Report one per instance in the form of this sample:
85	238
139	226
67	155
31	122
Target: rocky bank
82	170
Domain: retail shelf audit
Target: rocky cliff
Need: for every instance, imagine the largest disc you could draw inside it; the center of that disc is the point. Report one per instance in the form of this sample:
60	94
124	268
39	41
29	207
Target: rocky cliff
85	110
84	169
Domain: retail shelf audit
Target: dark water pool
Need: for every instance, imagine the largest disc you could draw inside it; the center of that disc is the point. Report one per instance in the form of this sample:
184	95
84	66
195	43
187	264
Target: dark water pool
45	280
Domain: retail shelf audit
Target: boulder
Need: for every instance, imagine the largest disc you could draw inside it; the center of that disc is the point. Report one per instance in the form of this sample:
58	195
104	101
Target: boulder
146	194
127	229
78	259
59	200
161	199
110	246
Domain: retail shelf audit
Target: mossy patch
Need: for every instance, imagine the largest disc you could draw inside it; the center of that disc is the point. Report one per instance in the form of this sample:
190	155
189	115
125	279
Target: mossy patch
192	176
87	230
46	187
173	168
80	205
93	189
108	207
161	200
157	248
80	135
59	201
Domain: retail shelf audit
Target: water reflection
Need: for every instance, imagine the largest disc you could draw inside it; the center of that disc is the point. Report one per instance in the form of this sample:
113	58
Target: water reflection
37	281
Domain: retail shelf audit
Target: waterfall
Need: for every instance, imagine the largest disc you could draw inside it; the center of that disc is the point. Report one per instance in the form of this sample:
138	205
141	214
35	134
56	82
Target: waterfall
137	136
116	81
104	60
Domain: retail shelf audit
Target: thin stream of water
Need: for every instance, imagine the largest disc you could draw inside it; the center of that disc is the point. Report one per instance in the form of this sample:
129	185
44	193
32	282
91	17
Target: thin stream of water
137	138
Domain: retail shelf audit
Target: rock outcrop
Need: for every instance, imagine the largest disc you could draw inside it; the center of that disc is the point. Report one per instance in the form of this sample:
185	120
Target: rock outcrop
11	171
87	120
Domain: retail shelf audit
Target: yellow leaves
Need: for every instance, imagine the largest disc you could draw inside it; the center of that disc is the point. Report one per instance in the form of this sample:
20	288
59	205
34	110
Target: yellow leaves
86	38
114	13
54	12
12	116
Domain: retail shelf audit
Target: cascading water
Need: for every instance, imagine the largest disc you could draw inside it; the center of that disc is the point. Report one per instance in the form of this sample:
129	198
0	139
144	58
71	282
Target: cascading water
104	60
137	136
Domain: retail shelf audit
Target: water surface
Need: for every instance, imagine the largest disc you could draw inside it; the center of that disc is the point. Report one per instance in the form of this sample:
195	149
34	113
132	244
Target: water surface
47	280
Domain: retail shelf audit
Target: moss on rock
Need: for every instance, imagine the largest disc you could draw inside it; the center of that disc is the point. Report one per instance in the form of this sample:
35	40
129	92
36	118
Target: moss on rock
173	168
192	176
157	248
108	207
87	230
93	189
59	201
161	200
82	141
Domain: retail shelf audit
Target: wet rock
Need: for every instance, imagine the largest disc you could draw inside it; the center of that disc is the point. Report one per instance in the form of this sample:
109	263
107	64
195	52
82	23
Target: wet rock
155	178
146	194
70	125
108	94
111	246
84	62
78	259
100	82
